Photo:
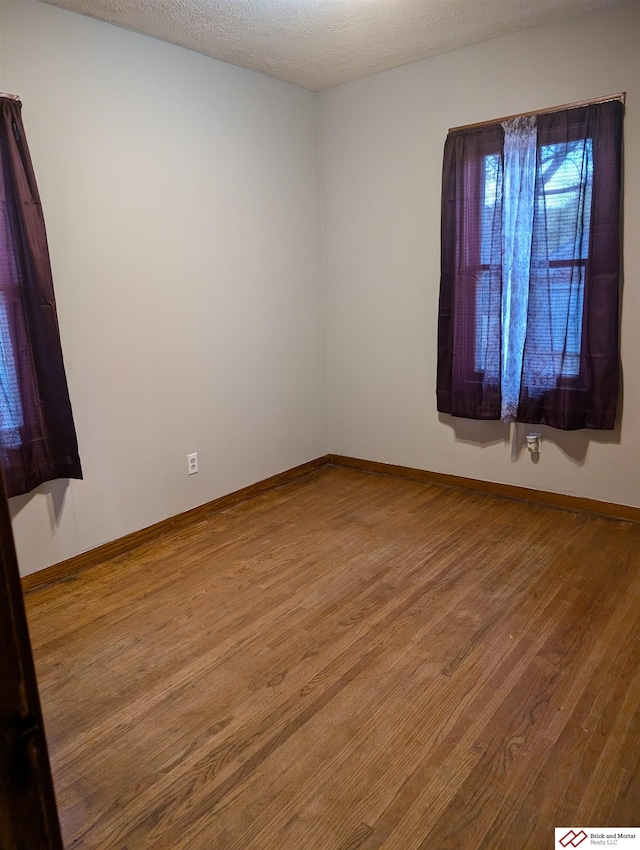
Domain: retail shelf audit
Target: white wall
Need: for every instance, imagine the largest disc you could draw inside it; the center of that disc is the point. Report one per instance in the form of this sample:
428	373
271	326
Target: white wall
181	200
381	143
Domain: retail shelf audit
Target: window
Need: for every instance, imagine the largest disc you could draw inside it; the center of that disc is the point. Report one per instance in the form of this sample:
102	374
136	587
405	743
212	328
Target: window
564	191
37	434
10	407
528	319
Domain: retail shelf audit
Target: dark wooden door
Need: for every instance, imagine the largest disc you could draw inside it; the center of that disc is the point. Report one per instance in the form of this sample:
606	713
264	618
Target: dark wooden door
28	816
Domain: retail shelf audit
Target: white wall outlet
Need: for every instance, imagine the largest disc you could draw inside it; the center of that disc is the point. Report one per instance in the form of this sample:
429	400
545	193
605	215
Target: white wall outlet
192	463
533	443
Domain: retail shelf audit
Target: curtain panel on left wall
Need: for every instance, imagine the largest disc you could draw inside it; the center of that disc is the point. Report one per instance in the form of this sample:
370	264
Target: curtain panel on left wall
37	434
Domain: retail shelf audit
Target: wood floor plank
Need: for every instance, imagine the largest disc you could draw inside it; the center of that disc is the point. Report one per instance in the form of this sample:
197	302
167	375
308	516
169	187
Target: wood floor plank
348	661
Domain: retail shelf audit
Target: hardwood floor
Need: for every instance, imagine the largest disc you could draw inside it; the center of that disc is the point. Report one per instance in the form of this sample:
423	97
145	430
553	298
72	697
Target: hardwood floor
349	661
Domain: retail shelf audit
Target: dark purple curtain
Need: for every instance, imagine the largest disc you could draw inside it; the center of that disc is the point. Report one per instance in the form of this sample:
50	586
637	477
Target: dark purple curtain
37	434
570	364
464	386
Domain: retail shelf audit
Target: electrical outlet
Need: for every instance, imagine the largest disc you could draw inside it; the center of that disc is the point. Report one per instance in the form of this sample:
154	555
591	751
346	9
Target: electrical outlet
192	463
533	443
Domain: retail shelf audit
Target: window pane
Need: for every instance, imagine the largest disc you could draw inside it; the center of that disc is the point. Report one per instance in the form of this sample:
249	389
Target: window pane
482	319
10	408
559	254
492	186
554	336
567	179
488	286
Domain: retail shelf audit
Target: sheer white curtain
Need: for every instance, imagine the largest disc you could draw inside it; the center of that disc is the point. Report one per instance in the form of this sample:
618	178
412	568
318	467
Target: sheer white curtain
520	144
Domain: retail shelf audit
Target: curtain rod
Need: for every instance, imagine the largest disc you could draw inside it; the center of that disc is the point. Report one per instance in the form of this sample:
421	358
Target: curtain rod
578	103
10	96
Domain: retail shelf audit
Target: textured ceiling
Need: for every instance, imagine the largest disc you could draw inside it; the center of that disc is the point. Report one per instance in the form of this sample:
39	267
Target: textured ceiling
317	44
